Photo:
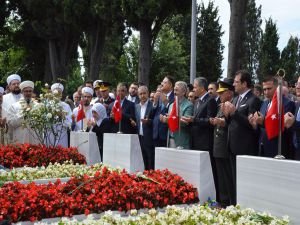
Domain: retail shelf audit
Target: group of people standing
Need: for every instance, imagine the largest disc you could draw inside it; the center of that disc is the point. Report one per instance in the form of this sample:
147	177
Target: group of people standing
224	118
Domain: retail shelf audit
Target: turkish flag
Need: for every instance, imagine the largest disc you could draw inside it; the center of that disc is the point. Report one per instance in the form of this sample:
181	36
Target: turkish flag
173	120
272	118
117	110
80	113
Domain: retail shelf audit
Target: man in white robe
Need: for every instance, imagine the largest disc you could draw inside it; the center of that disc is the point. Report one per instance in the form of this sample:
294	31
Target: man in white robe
15	117
3	125
86	97
62	138
12	97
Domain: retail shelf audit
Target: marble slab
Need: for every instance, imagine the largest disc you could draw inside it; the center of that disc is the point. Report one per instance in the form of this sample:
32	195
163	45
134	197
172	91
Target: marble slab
193	166
124	151
271	185
87	145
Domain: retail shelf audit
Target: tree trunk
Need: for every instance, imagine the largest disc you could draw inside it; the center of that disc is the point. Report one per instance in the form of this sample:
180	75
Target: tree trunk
144	52
62	51
53	59
47	69
96	40
236	32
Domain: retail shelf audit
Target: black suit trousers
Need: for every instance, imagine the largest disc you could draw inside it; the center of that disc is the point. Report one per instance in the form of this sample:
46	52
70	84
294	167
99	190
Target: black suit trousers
232	159
225	181
147	152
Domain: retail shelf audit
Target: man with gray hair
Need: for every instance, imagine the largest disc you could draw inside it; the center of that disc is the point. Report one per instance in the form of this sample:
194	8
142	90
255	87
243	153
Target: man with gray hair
202	130
205	108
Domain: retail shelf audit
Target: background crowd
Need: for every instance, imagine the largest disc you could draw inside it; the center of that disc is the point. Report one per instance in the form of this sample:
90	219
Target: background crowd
225	118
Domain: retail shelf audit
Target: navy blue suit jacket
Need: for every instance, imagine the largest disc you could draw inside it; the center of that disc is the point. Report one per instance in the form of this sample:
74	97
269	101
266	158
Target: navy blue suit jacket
296	130
147	127
202	130
160	130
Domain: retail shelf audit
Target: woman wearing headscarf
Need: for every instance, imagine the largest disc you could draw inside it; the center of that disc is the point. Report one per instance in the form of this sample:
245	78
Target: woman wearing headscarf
99	124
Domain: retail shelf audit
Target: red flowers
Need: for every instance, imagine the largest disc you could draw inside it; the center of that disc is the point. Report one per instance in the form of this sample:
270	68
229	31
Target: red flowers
105	191
20	155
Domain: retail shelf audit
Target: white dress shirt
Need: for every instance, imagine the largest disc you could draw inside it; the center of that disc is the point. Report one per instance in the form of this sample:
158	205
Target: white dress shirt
143	112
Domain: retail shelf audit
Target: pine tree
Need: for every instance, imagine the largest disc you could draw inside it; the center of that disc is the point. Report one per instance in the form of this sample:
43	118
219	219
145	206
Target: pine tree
290	59
209	45
252	37
269	56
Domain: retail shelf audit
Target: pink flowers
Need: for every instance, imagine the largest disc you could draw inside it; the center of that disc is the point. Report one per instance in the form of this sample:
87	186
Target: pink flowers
20	155
105	191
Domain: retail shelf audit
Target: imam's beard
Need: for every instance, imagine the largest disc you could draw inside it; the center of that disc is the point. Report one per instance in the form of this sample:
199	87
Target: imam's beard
16	92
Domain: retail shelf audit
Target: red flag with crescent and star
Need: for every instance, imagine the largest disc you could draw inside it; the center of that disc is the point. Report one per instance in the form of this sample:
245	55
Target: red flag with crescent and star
272	118
117	110
173	120
80	113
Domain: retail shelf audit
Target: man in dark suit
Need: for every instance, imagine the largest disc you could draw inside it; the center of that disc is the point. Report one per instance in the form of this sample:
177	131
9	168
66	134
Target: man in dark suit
220	152
133	93
242	138
205	107
201	130
269	148
163	98
293	122
212	91
144	118
128	124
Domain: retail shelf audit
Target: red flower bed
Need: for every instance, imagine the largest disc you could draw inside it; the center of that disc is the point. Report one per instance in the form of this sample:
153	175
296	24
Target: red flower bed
105	191
20	155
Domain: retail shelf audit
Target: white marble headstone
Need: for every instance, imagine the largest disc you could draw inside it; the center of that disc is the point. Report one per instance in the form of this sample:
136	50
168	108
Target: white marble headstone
193	166
123	150
270	185
87	145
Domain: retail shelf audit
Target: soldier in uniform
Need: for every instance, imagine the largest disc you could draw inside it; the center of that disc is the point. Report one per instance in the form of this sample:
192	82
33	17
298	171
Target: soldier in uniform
220	152
106	100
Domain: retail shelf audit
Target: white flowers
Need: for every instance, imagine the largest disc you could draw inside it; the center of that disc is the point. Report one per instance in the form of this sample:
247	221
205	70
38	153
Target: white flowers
68	169
194	214
49	115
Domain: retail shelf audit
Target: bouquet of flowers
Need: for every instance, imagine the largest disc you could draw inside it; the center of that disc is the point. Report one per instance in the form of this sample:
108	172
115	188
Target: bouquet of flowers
47	120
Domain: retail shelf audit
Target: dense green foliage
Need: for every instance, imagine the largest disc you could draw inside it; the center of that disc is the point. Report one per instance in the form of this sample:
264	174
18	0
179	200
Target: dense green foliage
269	57
209	45
39	39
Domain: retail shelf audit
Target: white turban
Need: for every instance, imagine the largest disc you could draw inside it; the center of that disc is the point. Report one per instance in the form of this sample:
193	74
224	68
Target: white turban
101	111
95	82
1	90
26	84
56	86
87	90
12	77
